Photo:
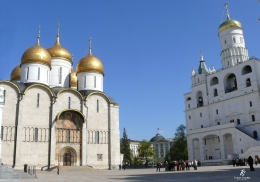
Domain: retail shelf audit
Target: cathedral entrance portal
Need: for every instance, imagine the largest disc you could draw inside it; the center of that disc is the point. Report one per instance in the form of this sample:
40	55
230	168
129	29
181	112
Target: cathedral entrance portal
66	159
69	138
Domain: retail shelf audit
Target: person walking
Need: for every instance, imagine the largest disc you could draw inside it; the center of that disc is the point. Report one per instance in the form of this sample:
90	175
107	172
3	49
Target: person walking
124	166
195	164
158	166
251	162
58	169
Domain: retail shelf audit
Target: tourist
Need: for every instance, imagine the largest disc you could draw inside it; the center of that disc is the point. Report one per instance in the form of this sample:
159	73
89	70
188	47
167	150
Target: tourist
256	161
58	169
158	166
166	166
195	164
233	162
251	162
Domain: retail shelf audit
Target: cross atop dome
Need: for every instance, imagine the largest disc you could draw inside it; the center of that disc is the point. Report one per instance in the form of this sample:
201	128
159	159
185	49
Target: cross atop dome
90	47
226	6
39	34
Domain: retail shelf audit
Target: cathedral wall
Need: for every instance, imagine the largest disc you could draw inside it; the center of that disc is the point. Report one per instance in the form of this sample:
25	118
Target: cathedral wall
32	145
62	102
8	122
93	152
97	112
115	136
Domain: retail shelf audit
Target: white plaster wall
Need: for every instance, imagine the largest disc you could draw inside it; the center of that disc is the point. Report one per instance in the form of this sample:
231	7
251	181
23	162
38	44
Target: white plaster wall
33	73
56	63
34	153
90	77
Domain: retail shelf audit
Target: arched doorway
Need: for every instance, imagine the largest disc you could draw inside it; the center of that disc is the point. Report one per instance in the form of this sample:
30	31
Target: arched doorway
67	159
228	144
212	147
67	156
69	137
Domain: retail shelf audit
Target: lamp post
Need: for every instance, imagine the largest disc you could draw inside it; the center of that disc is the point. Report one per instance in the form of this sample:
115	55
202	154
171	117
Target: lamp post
2	101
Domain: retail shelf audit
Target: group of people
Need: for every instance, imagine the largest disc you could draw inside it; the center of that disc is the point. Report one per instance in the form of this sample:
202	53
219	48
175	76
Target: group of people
244	162
179	165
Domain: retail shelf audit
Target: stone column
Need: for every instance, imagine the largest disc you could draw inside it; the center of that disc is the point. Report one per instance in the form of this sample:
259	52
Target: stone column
84	145
1	111
202	150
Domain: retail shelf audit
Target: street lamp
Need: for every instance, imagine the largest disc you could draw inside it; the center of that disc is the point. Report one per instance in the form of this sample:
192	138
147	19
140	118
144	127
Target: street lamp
2	102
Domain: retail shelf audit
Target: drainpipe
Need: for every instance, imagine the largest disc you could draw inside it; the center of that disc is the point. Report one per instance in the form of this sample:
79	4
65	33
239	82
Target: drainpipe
53	100
20	97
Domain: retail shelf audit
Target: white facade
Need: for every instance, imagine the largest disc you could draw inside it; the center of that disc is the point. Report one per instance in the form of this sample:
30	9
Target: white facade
222	110
161	146
35	73
90	81
60	73
46	122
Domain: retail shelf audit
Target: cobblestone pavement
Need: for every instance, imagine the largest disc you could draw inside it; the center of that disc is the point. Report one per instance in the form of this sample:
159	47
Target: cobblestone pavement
207	173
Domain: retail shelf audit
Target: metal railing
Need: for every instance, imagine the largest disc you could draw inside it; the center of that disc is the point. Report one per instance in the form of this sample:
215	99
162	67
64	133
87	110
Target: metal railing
32	170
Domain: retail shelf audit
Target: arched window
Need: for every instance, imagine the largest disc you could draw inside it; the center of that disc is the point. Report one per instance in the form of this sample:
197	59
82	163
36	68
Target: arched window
198	80
230	83
234	39
225	41
36	135
69	102
247	69
248	82
68	136
4	96
255	134
60	75
97	137
38	100
215	92
238	121
199	99
188	98
95	81
97	106
241	40
214	81
27	75
39	73
250	103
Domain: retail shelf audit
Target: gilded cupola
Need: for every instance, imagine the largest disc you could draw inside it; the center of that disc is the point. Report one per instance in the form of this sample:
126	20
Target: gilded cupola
58	51
36	54
73	78
229	23
16	73
90	63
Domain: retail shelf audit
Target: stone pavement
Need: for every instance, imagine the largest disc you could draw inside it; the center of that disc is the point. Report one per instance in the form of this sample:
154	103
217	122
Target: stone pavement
207	173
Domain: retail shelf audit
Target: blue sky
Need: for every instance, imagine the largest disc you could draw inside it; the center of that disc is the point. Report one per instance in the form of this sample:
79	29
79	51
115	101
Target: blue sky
148	48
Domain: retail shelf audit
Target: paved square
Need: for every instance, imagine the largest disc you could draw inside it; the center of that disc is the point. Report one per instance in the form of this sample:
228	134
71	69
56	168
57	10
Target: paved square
207	173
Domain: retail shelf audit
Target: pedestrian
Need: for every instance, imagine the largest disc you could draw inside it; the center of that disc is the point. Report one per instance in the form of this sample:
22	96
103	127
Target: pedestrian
195	164
58	169
251	162
256	161
233	162
158	166
124	166
166	166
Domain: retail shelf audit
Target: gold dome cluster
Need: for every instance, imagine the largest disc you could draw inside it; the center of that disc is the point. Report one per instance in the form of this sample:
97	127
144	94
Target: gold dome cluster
229	24
90	63
16	73
73	78
58	51
36	54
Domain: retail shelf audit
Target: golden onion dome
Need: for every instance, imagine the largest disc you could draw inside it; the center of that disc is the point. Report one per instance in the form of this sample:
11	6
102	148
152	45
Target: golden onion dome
229	24
90	63
16	73
36	54
73	78
58	51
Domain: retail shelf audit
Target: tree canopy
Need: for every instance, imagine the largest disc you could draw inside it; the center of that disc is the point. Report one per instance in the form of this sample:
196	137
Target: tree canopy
125	148
145	150
179	150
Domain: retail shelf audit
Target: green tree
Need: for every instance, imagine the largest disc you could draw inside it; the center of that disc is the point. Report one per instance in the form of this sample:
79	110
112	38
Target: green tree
179	150
125	148
145	151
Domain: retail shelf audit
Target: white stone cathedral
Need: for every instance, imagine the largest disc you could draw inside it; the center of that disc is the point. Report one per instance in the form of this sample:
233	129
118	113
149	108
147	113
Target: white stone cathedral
53	114
222	110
